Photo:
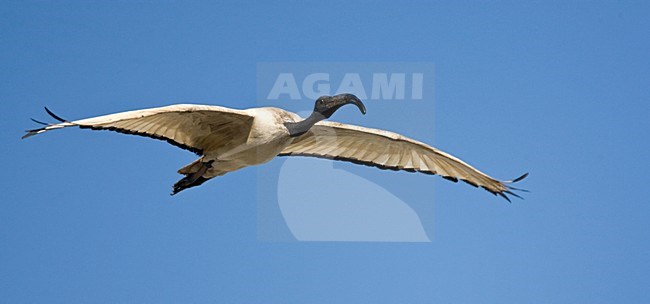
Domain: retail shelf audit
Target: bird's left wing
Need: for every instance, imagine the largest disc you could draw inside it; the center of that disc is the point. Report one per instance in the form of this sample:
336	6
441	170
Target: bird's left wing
388	150
196	128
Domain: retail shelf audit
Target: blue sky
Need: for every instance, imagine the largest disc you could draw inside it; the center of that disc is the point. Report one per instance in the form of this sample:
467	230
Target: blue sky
558	89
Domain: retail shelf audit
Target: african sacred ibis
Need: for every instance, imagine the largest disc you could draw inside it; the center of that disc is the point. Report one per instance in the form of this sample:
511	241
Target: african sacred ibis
228	139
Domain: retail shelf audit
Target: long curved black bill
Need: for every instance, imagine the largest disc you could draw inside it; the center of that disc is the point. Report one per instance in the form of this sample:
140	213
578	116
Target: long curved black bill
357	102
351	99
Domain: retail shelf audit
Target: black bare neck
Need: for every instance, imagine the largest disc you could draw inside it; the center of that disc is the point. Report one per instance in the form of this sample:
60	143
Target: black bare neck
301	127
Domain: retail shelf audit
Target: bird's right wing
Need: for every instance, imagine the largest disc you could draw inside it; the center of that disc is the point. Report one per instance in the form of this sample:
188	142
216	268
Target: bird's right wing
196	128
388	150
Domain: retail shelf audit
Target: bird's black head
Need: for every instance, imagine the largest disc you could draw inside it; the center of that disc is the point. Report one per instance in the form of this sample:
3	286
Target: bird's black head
327	105
324	108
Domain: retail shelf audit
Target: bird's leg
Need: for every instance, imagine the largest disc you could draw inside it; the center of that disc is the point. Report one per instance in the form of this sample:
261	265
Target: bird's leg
205	166
191	178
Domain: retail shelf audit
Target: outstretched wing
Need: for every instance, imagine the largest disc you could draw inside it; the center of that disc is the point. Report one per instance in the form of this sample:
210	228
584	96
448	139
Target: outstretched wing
196	128
388	150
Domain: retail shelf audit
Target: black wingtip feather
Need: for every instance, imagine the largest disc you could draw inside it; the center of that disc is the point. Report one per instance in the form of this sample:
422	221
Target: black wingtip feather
504	196
519	178
40	122
518	189
513	194
54	115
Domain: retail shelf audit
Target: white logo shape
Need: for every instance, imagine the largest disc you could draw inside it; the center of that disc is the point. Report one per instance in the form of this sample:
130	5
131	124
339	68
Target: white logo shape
321	203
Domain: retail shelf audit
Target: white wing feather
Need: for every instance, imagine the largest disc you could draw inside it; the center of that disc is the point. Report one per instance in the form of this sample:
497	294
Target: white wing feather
388	150
197	128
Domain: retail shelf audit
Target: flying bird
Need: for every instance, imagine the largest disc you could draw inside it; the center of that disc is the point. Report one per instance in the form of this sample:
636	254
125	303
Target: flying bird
230	139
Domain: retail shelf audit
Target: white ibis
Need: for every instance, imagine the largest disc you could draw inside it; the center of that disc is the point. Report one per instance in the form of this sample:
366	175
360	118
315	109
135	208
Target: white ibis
229	139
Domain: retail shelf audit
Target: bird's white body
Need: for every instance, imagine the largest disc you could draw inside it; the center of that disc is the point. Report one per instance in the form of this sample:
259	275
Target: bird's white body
266	138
